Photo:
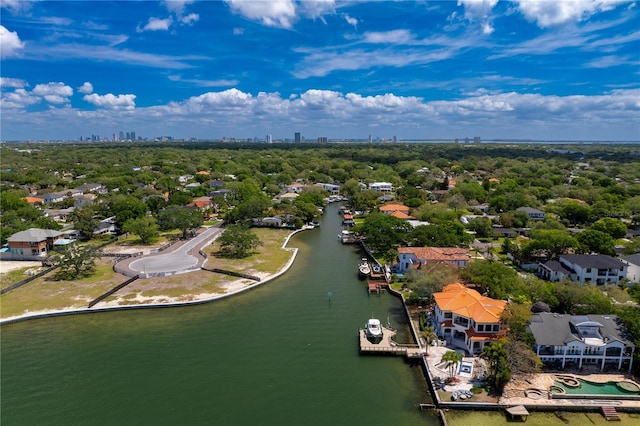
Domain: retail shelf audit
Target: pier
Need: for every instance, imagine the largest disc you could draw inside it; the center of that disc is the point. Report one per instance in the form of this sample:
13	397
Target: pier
388	346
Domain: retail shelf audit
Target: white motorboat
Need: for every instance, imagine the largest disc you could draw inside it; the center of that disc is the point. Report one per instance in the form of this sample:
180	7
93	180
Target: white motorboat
373	330
363	268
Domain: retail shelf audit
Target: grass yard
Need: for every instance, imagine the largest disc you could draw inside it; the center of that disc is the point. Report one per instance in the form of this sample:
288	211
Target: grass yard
44	294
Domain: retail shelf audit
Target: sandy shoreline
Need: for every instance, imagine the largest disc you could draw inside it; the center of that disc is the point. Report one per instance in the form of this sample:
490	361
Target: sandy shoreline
235	287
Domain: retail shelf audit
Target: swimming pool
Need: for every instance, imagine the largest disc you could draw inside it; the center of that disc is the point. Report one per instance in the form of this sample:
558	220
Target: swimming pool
586	387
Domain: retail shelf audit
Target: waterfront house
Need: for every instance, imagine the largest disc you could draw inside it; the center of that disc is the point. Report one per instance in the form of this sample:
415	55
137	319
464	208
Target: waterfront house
333	189
578	340
466	319
32	243
585	269
414	257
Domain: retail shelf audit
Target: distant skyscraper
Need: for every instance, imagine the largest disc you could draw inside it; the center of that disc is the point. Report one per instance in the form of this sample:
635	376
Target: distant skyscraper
121	135
322	139
395	139
133	136
370	139
268	139
476	139
296	137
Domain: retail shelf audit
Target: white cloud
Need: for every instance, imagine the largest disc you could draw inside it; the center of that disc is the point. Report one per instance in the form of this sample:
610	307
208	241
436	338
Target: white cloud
203	83
317	8
338	114
550	13
16	6
111	101
86	88
350	20
55	93
157	24
189	19
177	6
18	99
12	82
389	37
10	43
238	31
478	10
273	13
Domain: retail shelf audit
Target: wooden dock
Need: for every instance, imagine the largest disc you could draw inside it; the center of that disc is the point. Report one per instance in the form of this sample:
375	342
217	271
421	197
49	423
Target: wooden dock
388	346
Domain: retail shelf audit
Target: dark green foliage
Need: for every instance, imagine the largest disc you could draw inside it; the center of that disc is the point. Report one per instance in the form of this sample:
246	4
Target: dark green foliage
74	261
237	242
181	218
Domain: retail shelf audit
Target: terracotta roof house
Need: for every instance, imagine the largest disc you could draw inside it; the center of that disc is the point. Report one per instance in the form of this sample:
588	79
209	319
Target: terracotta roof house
466	319
390	208
32	243
413	257
201	203
401	215
576	340
33	200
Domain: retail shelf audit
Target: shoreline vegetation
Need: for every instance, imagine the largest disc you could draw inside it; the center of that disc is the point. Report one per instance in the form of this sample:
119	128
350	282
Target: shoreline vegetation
44	298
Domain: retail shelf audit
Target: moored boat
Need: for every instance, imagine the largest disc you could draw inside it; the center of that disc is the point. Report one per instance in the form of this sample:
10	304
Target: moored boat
373	330
364	270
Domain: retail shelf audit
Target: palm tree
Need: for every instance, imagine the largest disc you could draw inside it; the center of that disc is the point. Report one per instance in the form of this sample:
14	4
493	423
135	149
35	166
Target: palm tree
452	358
429	336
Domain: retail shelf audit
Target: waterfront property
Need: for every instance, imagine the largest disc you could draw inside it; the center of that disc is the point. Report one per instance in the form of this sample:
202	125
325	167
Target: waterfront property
466	319
563	341
414	257
32	244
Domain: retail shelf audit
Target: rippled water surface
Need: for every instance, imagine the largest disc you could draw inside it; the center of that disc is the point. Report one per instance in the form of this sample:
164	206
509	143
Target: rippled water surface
282	354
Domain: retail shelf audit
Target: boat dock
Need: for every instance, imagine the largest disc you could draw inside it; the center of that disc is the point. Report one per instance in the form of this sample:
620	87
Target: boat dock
388	346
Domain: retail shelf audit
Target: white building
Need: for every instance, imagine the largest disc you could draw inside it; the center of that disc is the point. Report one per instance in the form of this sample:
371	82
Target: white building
381	186
585	269
633	267
576	340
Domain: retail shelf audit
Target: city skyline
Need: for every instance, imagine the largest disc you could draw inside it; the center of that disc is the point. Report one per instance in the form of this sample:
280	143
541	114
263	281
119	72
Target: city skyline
237	69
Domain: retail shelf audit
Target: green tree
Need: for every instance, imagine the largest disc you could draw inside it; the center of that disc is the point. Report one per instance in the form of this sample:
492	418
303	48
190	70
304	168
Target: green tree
238	241
84	221
451	359
144	227
383	232
429	335
181	218
499	374
128	207
482	227
74	261
429	279
592	240
614	227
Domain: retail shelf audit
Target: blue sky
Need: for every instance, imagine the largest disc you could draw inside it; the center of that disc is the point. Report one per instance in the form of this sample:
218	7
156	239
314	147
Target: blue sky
545	70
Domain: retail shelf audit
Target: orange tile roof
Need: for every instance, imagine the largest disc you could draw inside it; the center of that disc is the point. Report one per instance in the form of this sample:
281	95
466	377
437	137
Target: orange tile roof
466	302
394	207
401	215
32	200
203	172
451	254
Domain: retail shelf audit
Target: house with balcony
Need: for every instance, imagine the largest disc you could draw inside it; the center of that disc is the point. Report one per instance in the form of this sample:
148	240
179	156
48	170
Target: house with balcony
585	269
32	244
381	186
414	257
467	320
575	341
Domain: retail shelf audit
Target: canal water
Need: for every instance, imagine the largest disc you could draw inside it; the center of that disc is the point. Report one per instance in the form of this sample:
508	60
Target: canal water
283	354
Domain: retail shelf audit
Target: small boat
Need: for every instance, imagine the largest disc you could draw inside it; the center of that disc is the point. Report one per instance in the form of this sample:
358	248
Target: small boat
377	269
373	330
363	268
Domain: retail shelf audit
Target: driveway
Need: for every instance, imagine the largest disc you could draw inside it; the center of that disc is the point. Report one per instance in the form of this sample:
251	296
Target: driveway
178	258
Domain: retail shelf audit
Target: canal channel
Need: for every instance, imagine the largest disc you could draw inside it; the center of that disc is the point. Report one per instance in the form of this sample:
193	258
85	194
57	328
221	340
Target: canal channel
285	353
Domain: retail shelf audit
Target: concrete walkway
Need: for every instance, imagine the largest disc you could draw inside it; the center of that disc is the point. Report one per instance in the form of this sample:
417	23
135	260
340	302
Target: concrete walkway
179	258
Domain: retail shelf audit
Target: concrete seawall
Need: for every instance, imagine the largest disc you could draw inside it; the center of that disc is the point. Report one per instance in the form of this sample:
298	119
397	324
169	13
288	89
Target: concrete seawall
53	313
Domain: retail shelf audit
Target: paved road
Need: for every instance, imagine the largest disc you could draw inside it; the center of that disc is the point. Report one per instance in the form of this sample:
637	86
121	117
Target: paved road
181	257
